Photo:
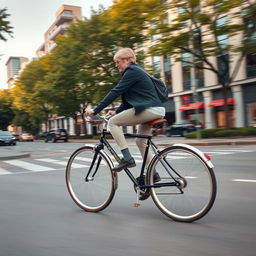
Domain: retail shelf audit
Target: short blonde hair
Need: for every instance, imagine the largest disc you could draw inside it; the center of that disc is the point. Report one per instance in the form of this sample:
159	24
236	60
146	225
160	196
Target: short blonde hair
125	53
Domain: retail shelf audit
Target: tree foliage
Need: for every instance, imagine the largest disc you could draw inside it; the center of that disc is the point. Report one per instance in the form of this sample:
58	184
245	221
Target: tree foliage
5	27
31	96
6	112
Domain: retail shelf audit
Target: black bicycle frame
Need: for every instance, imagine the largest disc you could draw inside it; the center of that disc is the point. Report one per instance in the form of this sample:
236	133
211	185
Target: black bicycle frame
137	182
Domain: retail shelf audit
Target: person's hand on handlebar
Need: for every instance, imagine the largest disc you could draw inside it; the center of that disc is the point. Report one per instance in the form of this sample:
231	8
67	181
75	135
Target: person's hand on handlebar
89	111
111	113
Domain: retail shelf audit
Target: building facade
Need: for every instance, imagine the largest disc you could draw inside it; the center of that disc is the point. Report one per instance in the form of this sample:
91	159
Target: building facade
202	97
13	66
63	17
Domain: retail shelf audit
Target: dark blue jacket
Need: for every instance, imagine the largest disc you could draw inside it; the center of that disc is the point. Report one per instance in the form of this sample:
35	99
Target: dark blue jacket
136	90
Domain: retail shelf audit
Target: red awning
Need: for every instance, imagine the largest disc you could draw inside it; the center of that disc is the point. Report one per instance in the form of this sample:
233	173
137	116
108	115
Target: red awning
192	106
220	102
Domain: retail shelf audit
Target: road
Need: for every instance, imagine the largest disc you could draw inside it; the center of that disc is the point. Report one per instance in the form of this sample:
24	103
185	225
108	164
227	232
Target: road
38	217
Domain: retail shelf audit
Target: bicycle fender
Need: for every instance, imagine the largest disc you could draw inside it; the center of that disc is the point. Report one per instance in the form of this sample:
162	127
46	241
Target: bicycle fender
197	151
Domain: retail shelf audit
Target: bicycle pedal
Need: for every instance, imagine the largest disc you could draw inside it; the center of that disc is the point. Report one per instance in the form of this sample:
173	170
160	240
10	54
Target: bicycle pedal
136	204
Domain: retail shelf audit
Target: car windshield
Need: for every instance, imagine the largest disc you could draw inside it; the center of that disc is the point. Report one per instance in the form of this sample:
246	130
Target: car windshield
25	134
5	133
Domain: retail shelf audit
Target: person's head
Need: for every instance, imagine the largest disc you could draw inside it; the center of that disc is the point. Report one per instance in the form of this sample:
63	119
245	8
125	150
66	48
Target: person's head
123	58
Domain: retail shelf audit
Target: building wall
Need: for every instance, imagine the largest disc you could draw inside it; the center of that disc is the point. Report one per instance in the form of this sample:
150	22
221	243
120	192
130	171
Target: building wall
63	17
242	91
13	67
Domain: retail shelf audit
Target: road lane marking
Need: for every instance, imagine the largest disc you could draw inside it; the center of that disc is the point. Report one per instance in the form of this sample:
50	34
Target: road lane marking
244	180
47	160
4	172
29	166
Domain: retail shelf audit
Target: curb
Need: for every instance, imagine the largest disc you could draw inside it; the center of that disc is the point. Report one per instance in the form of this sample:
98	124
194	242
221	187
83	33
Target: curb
14	157
231	143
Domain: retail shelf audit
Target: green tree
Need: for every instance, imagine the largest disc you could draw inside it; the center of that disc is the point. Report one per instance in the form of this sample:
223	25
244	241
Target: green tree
6	112
203	29
5	27
31	96
82	67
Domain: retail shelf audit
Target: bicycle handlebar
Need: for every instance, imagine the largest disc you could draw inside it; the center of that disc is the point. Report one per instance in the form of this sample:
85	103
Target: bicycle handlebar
103	117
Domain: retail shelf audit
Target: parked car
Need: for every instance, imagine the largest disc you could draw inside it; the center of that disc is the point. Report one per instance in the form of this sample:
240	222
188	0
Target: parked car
40	135
183	127
6	138
56	134
26	137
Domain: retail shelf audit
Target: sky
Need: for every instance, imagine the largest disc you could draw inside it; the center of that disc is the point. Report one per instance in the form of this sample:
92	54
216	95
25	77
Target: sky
30	19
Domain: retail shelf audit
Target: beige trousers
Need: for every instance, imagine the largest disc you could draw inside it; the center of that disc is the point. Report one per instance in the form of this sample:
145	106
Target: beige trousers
128	118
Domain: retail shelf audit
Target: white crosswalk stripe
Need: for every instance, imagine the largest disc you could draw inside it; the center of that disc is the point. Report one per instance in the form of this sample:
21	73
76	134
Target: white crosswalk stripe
52	164
4	172
29	166
63	163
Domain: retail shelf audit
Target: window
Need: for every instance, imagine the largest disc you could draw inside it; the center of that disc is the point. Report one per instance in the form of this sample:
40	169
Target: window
248	14
156	63
155	36
221	37
186	72
197	40
167	73
251	65
199	75
223	67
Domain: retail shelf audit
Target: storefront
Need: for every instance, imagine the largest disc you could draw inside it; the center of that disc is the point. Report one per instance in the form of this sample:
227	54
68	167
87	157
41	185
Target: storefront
217	105
193	110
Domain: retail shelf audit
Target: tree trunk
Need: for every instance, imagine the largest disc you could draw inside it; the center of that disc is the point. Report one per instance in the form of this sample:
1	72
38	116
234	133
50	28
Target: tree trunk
76	125
84	124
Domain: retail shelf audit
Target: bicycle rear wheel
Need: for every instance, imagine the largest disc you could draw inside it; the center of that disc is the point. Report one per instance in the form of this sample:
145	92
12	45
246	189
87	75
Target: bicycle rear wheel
95	192
195	190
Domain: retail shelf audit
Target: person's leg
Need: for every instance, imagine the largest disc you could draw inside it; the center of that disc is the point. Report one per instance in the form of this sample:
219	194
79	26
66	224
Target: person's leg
144	129
127	118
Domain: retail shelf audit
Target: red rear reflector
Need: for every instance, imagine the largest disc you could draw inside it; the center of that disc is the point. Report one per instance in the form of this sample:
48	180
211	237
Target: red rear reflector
207	156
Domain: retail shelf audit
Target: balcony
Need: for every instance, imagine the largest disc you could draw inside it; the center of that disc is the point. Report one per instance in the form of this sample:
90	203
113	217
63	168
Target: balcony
58	31
63	18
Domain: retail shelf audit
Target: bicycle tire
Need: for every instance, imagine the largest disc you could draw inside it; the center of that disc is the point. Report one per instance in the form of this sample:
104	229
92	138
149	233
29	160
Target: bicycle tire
96	193
198	184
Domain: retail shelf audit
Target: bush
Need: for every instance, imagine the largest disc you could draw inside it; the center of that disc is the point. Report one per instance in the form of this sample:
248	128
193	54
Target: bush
220	132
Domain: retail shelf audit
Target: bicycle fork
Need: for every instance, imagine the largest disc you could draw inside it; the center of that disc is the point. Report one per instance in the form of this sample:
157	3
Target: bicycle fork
88	177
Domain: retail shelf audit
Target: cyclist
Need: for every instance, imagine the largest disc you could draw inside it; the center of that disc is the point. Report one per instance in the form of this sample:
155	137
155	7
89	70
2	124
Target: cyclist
140	104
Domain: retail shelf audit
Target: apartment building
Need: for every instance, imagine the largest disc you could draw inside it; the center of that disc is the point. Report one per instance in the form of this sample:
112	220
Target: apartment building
13	67
203	98
63	17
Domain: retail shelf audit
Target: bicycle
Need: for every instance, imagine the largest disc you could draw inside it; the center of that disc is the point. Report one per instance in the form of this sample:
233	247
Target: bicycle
185	191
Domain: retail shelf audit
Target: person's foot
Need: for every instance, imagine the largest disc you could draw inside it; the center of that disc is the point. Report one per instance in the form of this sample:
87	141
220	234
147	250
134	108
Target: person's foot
145	195
124	164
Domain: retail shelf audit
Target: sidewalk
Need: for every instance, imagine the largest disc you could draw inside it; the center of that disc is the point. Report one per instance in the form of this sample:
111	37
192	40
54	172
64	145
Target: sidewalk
10	152
208	142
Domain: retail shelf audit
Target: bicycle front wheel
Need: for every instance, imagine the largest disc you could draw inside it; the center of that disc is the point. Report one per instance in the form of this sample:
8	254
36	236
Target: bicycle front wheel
92	191
184	187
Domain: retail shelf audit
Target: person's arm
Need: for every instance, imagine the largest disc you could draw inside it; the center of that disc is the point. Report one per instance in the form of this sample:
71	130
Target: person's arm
128	79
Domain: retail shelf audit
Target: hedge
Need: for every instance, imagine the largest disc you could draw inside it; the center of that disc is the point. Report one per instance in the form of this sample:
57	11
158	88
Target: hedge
221	132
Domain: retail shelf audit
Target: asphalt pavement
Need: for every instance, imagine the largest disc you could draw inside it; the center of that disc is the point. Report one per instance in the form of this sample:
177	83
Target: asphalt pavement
10	152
